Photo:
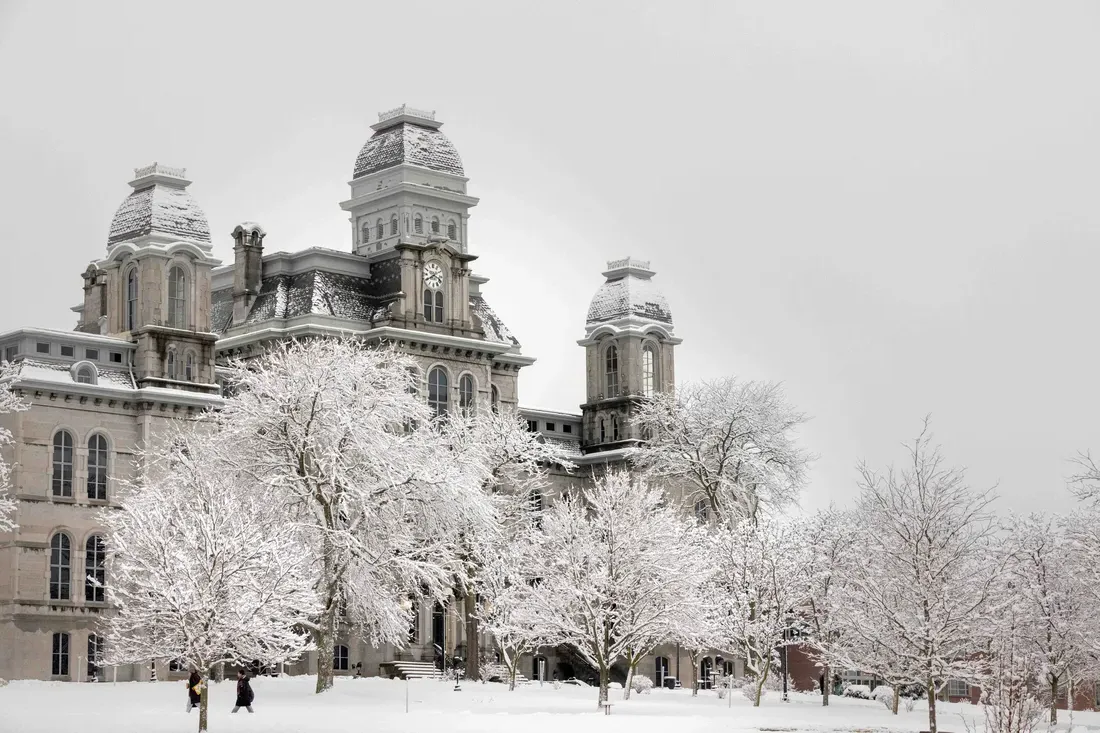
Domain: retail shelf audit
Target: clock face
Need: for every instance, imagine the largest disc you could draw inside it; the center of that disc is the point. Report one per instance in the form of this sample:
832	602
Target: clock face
433	275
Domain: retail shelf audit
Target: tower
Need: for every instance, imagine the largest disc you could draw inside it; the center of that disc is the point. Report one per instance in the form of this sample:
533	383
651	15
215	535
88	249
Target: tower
153	287
629	346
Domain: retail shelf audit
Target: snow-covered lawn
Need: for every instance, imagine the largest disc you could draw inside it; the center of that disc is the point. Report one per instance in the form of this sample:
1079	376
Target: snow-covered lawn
288	705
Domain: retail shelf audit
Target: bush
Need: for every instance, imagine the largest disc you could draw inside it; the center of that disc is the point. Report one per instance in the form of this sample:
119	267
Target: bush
885	695
748	689
556	684
641	683
861	691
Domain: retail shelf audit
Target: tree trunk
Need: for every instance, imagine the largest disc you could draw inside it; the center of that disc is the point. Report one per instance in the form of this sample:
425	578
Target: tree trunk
473	648
1053	699
604	685
931	707
221	673
629	679
325	639
512	674
202	703
897	698
826	685
694	674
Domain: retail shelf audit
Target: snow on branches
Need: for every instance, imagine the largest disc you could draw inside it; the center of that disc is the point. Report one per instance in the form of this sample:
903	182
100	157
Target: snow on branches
203	568
616	571
9	403
730	441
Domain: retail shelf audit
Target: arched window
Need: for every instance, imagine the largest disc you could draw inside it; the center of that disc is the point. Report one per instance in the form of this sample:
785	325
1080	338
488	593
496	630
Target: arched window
60	666
649	370
494	395
62	480
418	224
86	374
611	364
435	225
177	297
727	668
614	427
706	667
95	569
97	468
61	566
437	391
466	395
439	306
603	431
660	671
452	231
433	305
171	363
131	300
380	229
364	233
95	656
393	226
189	367
340	658
539	669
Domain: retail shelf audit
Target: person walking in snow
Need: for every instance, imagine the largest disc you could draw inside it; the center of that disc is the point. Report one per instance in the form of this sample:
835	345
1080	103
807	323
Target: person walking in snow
194	690
244	693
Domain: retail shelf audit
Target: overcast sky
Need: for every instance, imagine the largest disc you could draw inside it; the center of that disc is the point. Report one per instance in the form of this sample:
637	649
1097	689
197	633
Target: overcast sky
889	207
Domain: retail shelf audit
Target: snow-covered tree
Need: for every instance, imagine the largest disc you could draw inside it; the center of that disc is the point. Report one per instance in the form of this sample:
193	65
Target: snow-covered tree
9	403
758	589
203	568
829	538
1043	583
731	442
336	433
923	588
617	565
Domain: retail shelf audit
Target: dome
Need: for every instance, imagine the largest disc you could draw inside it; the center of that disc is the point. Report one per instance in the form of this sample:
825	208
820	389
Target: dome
159	204
406	135
629	293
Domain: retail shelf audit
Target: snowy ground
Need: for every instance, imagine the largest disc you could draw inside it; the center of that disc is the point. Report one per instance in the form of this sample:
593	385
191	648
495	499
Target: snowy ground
288	705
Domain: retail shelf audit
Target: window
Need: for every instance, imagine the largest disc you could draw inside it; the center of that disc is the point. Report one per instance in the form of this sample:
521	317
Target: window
189	367
177	297
364	233
60	567
177	665
614	427
566	428
439	306
611	363
42	348
418	224
494	396
131	300
62	480
538	668
551	427
380	229
95	569
414	623
660	671
10	352
466	395
452	230
433	306
116	357
91	354
95	656
393	226
649	364
67	350
340	658
437	391
97	467
172	364
532	426
957	688
435	225
429	300
603	431
702	512
60	666
86	375
727	668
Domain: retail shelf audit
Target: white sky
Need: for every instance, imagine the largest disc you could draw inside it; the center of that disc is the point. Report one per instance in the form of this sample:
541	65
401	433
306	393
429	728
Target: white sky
890	207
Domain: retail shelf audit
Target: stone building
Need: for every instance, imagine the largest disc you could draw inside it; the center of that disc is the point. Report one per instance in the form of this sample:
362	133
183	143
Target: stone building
159	314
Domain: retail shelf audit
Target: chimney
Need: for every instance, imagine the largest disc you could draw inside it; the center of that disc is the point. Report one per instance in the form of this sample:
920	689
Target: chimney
248	249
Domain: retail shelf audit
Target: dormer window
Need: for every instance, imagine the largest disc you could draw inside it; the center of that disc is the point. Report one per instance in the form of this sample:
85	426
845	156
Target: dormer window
435	225
85	373
177	298
418	224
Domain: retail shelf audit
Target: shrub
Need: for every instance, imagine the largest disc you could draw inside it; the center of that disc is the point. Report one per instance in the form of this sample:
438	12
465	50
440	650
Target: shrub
885	695
861	691
640	683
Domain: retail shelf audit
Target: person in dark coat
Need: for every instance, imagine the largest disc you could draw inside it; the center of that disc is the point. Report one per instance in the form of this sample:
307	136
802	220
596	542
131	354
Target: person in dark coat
244	693
194	690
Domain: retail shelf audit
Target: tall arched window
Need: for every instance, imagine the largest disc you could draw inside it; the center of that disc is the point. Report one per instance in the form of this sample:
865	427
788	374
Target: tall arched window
418	224
603	431
435	225
437	391
95	569
177	297
439	306
466	395
131	300
62	480
97	467
171	363
611	364
380	229
340	658
95	656
649	370
61	566
539	669
494	396
660	671
60	666
189	367
452	231
614	427
364	233
433	305
393	226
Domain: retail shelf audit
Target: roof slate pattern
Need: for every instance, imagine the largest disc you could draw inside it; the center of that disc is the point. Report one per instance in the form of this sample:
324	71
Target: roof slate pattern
571	446
490	322
408	143
629	296
62	374
162	209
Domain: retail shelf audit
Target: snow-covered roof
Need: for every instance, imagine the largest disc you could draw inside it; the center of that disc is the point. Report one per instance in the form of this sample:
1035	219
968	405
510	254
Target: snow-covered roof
405	135
159	204
490	322
42	371
629	291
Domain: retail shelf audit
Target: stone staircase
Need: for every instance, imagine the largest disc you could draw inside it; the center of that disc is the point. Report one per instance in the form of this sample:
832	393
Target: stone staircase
413	670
